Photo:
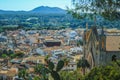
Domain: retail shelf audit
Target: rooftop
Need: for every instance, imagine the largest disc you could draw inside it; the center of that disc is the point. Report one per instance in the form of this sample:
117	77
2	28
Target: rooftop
112	43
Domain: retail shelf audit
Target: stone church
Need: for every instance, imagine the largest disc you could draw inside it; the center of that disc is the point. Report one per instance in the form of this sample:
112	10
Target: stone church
100	47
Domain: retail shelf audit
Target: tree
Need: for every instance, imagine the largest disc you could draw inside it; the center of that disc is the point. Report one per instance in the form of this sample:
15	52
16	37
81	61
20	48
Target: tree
80	43
19	54
54	73
23	74
36	78
4	56
12	56
41	70
109	72
83	63
5	51
38	68
10	52
44	71
109	9
47	59
71	75
66	62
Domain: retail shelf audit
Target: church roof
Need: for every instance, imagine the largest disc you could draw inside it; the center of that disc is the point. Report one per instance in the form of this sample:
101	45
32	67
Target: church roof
112	43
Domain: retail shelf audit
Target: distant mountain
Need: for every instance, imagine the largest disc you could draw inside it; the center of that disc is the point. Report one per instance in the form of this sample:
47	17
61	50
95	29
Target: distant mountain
41	10
47	10
11	12
54	17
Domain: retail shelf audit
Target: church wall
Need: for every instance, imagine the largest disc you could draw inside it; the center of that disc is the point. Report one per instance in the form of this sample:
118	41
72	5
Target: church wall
109	55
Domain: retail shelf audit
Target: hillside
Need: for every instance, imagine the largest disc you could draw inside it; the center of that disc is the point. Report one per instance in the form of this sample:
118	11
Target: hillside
40	10
45	17
48	10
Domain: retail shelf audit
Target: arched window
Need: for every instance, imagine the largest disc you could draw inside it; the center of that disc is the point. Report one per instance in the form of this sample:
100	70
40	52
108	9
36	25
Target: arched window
114	58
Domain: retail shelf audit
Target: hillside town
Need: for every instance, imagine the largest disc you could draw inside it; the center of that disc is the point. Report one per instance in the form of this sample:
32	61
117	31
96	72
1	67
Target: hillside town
35	45
60	40
22	49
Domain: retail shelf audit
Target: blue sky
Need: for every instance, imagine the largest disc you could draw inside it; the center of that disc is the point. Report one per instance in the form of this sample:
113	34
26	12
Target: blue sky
30	4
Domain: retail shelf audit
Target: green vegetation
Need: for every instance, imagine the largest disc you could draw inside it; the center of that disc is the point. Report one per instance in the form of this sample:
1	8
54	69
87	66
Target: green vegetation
10	54
83	63
75	75
4	56
19	54
49	21
9	27
41	71
5	53
45	71
36	78
43	21
108	9
109	72
103	13
23	74
80	43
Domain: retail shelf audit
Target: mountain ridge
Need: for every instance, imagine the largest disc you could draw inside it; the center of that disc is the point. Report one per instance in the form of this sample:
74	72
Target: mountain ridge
40	9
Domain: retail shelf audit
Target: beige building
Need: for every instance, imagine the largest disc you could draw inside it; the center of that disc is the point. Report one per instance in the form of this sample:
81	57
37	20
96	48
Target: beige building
34	59
100	49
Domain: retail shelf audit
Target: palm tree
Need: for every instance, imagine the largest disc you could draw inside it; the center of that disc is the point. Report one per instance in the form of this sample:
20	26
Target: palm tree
83	63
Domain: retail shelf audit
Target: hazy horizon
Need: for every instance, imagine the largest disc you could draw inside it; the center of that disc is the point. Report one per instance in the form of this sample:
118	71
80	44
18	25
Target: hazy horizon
26	5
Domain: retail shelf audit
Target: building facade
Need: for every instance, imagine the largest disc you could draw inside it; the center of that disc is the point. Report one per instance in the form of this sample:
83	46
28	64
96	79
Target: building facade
100	48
